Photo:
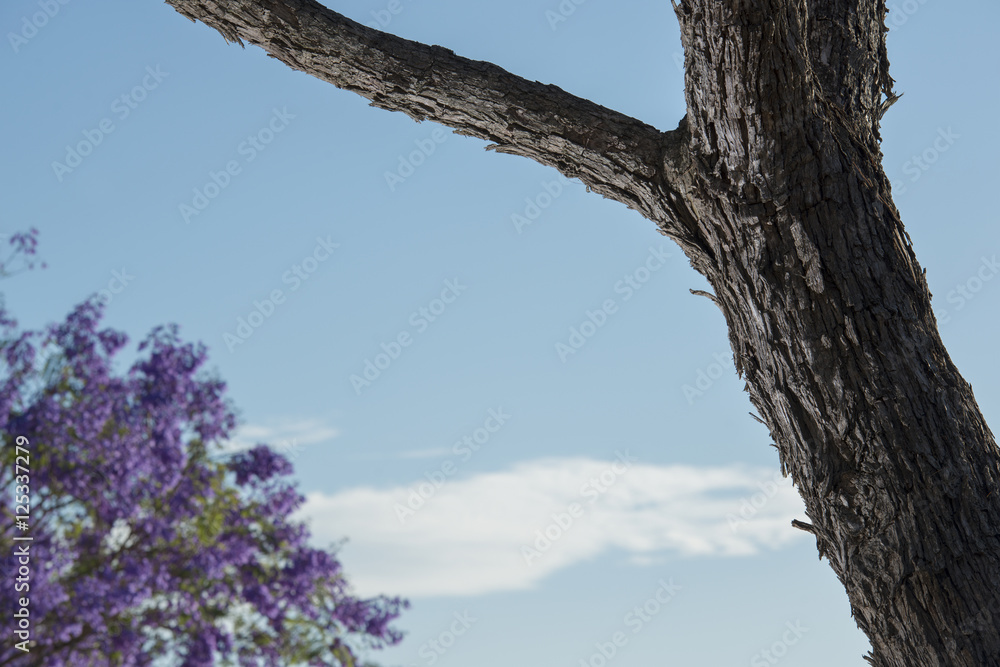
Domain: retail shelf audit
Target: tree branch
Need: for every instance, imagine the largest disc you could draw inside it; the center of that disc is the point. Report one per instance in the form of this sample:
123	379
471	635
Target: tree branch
615	155
773	186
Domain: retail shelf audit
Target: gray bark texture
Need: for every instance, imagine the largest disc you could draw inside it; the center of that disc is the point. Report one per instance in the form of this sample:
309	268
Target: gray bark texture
772	185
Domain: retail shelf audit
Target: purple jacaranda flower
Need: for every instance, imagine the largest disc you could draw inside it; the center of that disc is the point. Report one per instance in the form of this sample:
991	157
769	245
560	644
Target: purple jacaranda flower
148	539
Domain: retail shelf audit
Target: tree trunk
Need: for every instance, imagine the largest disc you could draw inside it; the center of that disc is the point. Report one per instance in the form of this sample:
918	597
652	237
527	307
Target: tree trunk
772	185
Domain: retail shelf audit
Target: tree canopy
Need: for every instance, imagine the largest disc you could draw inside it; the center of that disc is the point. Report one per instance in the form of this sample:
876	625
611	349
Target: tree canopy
146	539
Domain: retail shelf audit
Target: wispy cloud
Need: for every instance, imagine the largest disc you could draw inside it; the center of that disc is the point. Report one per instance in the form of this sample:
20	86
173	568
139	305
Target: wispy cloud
288	434
469	534
434	453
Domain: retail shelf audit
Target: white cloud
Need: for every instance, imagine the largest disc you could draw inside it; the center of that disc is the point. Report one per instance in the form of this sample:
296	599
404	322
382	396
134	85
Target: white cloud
468	536
285	436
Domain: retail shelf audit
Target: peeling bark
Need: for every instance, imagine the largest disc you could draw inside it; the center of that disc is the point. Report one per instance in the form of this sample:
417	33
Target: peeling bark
772	185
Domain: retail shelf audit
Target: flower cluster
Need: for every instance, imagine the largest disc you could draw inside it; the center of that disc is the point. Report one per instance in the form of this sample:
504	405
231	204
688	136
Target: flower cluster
23	246
148	542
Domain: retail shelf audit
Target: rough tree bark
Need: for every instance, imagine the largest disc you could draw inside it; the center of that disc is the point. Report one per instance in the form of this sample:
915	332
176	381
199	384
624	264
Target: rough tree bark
772	185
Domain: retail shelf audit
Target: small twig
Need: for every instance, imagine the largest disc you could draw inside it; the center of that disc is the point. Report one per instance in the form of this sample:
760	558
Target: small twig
802	525
891	99
707	295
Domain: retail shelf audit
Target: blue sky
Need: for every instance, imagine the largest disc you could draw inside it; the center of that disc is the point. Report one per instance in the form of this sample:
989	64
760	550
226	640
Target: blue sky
218	184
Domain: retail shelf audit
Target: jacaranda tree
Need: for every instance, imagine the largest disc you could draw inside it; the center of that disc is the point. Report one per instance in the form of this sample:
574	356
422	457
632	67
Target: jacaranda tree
148	541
